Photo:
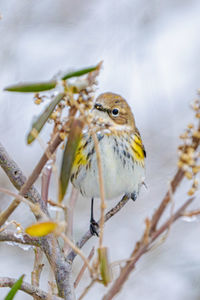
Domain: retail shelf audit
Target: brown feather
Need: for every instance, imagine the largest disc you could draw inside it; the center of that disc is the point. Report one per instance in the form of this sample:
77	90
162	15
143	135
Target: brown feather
110	101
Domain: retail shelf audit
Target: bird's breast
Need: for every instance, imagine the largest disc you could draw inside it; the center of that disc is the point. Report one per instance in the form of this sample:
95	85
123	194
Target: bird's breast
122	168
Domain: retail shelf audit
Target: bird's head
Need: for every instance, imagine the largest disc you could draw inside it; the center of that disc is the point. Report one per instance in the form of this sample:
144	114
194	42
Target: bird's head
114	109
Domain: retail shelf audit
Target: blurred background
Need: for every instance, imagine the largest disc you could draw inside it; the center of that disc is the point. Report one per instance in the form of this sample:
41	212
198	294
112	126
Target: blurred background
151	52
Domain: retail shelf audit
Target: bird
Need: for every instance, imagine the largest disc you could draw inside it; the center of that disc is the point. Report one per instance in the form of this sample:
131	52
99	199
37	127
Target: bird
121	149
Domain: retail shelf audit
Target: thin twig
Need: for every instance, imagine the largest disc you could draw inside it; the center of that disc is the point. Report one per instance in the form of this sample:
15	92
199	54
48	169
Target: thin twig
45	157
4	215
34	207
27	184
19	181
37	269
12	222
173	218
56	204
86	290
174	185
69	215
77	250
139	250
80	274
192	213
27	288
164	236
46	175
101	187
159	211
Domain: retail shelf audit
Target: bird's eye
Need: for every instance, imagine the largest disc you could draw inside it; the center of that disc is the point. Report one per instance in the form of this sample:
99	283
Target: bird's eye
115	112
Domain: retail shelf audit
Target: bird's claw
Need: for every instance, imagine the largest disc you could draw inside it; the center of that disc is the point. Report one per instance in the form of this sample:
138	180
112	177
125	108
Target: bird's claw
94	227
134	196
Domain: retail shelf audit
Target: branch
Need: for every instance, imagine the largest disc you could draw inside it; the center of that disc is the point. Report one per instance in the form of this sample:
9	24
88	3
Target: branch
107	216
195	142
19	181
24	239
27	288
61	268
140	249
159	211
80	274
77	251
69	216
37	269
45	157
46	176
173	218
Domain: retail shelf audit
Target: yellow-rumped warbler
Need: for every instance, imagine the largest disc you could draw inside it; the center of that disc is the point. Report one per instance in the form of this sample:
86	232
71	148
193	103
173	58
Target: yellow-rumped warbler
121	150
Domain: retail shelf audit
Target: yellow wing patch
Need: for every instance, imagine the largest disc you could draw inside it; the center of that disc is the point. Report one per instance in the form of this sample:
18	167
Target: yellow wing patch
80	157
138	149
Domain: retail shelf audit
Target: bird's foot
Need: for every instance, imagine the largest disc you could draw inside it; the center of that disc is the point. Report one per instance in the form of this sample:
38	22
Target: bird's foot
133	196
94	227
